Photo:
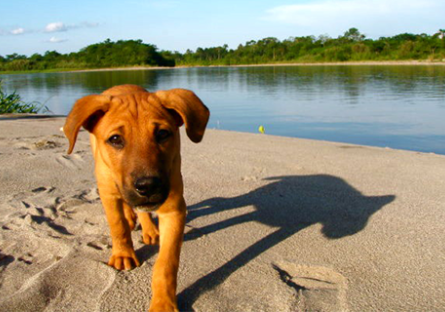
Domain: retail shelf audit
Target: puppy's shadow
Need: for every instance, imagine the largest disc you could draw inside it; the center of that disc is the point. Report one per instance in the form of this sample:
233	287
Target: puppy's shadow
287	204
146	252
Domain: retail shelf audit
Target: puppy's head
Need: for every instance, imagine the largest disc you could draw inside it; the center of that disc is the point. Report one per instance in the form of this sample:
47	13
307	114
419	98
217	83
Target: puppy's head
137	138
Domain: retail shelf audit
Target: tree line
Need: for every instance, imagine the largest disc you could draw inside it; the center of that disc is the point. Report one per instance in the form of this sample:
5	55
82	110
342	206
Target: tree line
351	46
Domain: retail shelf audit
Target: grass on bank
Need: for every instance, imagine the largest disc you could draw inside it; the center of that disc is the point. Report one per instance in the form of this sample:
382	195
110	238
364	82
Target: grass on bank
13	104
35	71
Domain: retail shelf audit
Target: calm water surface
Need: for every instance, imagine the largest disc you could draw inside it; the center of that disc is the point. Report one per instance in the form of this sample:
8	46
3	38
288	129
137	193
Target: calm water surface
389	106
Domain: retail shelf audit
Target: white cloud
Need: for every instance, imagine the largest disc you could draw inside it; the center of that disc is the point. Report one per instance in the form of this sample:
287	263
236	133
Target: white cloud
49	28
59	26
18	31
378	16
56	27
56	40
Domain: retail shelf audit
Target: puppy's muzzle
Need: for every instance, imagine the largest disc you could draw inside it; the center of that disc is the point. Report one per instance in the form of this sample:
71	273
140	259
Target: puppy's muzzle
149	192
149	187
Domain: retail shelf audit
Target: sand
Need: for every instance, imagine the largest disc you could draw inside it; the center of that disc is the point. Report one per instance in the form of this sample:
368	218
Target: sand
274	224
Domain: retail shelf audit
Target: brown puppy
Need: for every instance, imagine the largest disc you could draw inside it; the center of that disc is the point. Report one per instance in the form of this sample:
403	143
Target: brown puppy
135	143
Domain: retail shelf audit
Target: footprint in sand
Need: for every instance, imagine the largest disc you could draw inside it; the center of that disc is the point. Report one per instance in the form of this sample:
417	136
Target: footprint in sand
68	204
318	288
27	258
39	208
32	144
74	161
33	210
89	195
41	203
45	144
43	189
68	208
99	244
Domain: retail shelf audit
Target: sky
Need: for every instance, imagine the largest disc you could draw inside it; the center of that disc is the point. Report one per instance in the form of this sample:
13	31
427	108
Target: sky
36	26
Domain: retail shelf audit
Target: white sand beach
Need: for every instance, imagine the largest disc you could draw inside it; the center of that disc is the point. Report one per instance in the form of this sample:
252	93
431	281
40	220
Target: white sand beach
274	224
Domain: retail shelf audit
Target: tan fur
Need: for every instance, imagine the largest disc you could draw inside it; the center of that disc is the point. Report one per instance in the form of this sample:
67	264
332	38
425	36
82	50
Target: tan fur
136	115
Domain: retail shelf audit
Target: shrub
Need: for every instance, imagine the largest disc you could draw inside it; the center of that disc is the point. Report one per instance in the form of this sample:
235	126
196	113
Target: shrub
13	103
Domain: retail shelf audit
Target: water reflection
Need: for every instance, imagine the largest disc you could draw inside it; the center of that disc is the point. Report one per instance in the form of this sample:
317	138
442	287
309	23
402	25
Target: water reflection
395	106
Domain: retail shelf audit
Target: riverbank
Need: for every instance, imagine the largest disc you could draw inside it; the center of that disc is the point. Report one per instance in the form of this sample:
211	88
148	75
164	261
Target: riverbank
370	63
361	63
274	224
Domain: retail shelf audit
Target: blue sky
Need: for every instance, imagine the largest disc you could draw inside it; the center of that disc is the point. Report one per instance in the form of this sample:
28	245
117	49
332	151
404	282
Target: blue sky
29	26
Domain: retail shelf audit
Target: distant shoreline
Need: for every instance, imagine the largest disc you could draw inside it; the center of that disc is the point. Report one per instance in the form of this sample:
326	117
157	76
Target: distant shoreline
352	63
360	63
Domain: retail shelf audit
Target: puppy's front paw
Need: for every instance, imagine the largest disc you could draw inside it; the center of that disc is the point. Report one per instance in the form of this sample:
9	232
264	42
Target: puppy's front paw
150	236
163	306
124	260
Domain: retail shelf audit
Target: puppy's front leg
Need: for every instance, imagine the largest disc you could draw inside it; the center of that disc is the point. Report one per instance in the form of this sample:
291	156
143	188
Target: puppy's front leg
171	229
150	231
123	255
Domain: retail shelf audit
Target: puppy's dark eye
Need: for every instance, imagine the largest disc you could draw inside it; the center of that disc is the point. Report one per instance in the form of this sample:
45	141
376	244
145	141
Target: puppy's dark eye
116	141
162	135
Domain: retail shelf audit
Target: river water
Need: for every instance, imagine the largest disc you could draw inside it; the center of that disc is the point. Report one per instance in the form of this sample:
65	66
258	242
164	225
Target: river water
399	107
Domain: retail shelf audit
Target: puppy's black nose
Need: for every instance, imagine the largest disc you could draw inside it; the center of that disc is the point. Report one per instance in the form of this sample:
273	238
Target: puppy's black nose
147	186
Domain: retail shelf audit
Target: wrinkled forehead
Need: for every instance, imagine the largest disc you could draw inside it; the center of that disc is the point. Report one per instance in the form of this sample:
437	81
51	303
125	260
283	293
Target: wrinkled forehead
138	110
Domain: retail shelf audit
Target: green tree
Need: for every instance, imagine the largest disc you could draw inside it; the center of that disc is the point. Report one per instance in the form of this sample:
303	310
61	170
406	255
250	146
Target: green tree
353	35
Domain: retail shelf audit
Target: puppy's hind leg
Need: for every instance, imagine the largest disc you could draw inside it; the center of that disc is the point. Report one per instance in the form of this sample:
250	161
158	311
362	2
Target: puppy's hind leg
150	232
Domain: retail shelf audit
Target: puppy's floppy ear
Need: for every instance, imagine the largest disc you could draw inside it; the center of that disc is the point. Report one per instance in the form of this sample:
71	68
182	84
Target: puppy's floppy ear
192	111
85	112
